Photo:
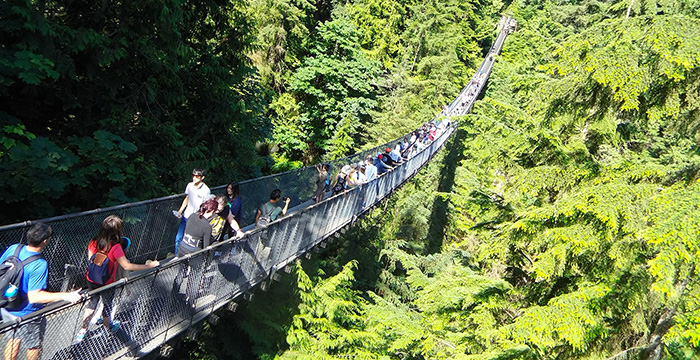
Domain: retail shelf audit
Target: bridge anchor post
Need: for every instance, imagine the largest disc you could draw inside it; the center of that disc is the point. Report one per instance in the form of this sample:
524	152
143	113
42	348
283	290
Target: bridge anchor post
232	306
166	351
264	285
213	319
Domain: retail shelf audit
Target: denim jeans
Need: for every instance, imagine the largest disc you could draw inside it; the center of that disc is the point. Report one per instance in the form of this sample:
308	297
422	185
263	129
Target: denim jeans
180	233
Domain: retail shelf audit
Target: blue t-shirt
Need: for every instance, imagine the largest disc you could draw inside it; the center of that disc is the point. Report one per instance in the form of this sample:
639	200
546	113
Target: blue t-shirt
381	166
236	210
33	278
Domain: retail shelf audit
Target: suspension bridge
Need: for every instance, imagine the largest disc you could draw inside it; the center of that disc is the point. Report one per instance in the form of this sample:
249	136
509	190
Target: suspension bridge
147	302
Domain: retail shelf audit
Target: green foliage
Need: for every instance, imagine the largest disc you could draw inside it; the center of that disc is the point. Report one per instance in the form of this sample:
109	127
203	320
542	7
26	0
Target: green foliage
102	162
283	37
339	82
334	93
92	92
438	47
329	318
571	195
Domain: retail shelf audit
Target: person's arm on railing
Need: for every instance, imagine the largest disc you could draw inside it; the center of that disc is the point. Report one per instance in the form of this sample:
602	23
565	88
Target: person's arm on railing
128	265
43	296
386	166
234	225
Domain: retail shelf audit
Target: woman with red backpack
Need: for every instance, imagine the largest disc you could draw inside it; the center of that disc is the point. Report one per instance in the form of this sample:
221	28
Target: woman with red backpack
105	254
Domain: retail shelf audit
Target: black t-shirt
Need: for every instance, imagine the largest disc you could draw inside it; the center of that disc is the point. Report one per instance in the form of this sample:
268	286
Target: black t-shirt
197	235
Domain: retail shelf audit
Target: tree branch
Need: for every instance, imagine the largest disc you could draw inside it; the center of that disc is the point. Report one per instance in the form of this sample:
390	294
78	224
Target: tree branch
654	350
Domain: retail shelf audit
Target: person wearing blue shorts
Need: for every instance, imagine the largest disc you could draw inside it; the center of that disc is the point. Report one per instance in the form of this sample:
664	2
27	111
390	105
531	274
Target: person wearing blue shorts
33	293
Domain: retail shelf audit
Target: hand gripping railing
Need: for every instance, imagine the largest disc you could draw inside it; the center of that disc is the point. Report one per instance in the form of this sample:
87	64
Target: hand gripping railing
155	306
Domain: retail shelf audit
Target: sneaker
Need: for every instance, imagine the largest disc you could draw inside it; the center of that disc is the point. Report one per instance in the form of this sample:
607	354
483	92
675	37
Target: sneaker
114	326
80	336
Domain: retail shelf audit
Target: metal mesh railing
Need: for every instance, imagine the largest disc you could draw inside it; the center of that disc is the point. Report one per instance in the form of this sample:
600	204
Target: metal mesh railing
462	104
156	305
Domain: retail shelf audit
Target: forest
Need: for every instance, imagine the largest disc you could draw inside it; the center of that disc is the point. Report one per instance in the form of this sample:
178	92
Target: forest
561	221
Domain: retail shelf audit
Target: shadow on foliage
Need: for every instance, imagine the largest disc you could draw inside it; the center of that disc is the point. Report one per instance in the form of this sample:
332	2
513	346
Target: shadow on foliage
438	217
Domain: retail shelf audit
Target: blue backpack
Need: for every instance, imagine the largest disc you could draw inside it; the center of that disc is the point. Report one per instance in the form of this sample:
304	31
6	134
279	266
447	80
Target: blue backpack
98	269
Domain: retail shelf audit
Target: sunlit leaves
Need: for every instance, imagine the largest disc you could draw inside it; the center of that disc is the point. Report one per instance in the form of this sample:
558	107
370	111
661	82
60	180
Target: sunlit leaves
334	91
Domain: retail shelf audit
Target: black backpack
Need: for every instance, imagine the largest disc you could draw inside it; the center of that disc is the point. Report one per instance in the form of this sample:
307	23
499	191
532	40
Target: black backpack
98	269
11	273
339	186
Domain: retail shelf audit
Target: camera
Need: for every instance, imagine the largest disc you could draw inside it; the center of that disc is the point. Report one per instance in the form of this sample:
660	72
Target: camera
285	199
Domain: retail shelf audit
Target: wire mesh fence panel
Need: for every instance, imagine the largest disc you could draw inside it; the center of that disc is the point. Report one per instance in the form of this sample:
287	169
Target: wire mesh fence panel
224	285
60	333
317	218
243	258
258	246
169	282
145	309
314	227
277	236
335	222
292	236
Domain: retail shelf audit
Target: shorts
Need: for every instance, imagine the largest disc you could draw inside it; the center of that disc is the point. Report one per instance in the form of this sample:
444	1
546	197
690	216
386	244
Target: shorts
107	297
31	334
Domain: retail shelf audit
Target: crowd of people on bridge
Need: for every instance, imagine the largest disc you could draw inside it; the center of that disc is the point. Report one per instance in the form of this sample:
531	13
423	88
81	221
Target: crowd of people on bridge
204	220
373	166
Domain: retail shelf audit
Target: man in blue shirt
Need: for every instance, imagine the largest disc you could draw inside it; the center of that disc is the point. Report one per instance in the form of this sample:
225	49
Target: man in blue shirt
381	166
33	290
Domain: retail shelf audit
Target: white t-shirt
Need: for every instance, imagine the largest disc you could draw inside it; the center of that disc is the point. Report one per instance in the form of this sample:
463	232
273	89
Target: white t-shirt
395	154
360	178
197	195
